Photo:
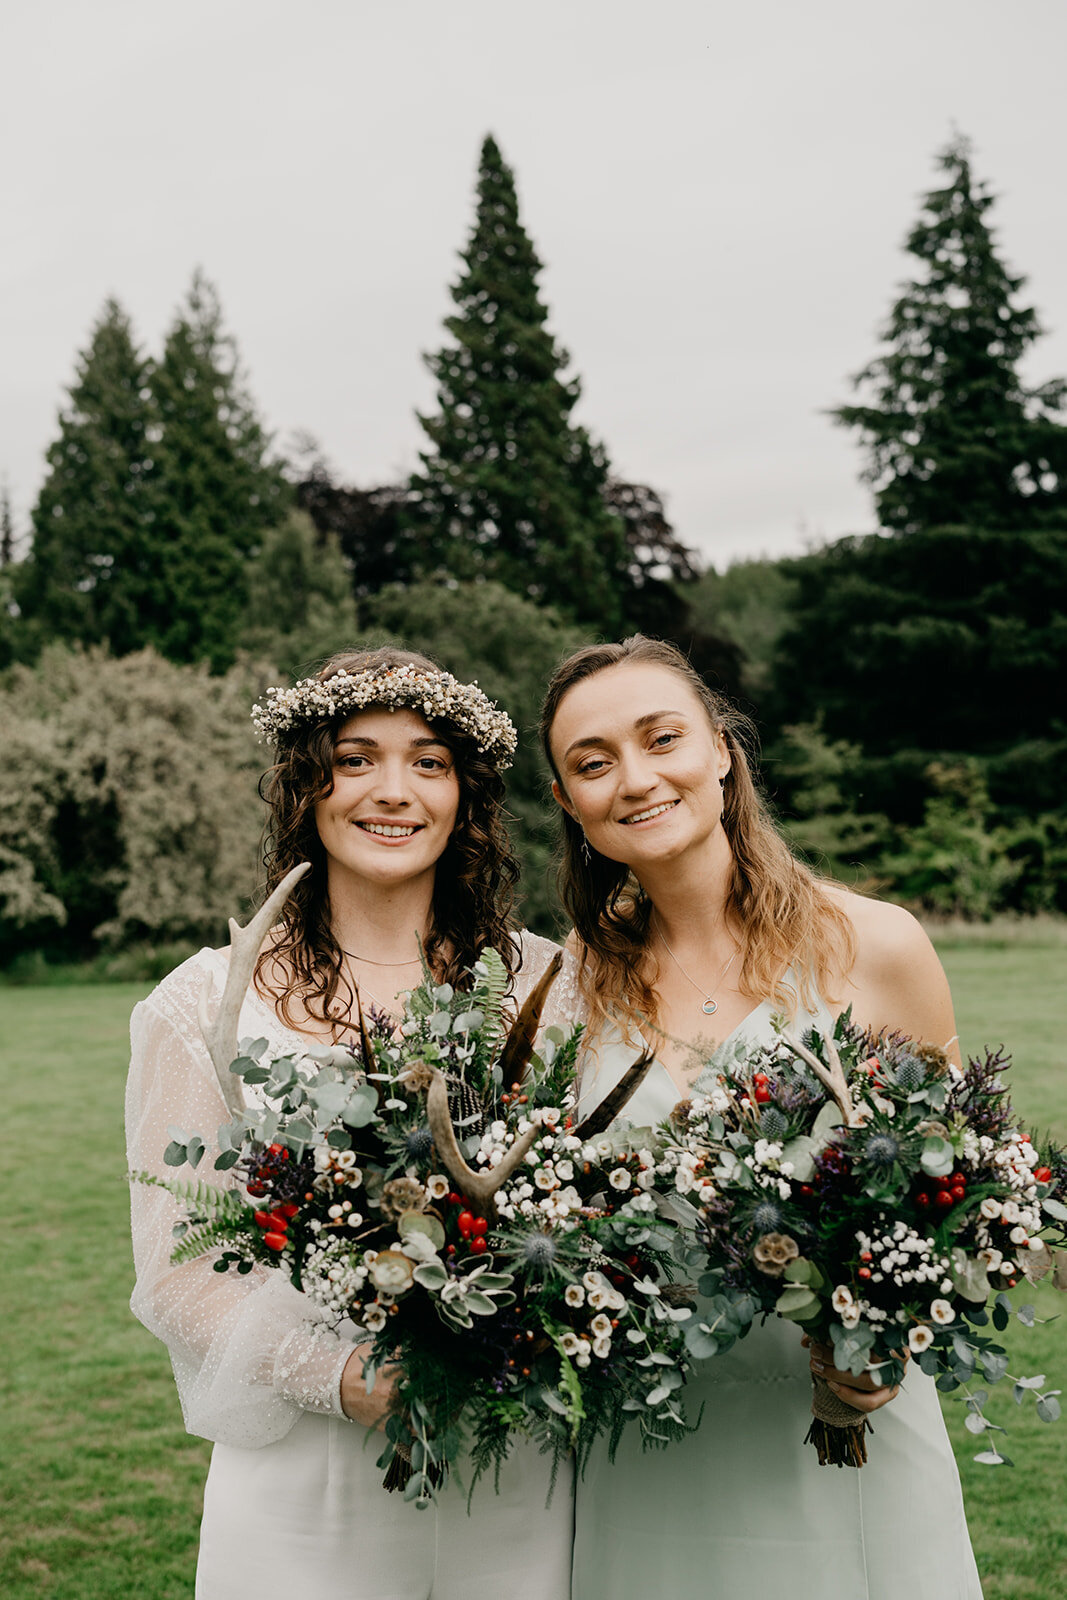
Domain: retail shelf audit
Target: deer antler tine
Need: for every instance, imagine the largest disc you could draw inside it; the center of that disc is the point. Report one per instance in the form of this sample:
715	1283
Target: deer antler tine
478	1186
832	1077
522	1035
220	1034
603	1115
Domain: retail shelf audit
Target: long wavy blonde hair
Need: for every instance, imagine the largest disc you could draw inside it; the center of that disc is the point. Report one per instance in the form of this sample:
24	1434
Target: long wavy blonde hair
788	925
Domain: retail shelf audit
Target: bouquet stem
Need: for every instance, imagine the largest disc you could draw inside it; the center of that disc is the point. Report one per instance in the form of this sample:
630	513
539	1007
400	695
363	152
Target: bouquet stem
837	1429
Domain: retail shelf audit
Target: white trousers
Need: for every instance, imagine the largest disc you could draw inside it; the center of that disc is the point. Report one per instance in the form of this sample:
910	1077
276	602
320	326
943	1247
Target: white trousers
308	1517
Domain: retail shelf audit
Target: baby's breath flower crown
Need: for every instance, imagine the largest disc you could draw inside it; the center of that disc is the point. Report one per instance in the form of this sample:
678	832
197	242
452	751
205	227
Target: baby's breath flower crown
437	695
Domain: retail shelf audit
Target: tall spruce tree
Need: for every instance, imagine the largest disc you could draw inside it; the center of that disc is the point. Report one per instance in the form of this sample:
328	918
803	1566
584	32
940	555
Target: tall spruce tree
512	489
215	490
954	437
87	571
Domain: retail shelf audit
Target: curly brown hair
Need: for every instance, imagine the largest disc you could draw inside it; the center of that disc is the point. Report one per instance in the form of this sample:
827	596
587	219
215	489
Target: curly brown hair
474	881
783	915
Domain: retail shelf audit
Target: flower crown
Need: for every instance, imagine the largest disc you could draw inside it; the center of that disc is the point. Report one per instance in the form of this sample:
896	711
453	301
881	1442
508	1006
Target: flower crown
435	694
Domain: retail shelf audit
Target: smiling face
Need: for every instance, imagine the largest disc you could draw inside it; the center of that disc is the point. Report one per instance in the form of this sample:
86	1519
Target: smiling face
639	765
394	801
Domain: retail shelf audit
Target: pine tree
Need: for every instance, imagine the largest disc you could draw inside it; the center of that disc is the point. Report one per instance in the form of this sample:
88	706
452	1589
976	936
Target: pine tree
214	489
512	490
85	576
954	437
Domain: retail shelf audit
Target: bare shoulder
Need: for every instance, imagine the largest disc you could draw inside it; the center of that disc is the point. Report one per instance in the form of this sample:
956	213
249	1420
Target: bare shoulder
888	938
897	981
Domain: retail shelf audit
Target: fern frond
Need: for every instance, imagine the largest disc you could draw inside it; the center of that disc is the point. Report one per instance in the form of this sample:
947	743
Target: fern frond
490	996
197	1195
212	1235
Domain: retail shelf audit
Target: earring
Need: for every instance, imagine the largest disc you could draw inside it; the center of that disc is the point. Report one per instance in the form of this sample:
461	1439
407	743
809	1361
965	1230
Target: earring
587	854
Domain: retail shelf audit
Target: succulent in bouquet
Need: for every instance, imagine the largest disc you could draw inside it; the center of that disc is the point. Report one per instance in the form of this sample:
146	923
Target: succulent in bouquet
883	1199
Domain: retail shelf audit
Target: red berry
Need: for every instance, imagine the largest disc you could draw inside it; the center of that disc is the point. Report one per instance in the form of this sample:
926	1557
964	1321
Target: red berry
943	1198
479	1227
255	1188
465	1224
478	1247
279	1220
806	1190
864	1272
1042	1174
865	1255
455	1199
958	1193
451	1250
289	1210
958	1179
922	1199
762	1096
263	1219
275	1241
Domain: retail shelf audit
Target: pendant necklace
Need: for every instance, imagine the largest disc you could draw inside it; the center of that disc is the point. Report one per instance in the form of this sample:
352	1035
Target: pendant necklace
711	1005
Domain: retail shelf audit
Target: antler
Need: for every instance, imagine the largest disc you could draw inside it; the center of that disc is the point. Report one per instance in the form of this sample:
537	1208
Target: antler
603	1115
514	1059
478	1186
833	1077
522	1035
220	1035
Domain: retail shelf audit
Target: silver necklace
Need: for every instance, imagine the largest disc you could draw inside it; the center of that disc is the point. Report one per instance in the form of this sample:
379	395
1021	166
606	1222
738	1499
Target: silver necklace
711	1005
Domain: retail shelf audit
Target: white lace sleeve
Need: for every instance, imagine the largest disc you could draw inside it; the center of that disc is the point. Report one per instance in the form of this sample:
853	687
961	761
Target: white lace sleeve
564	1007
249	1353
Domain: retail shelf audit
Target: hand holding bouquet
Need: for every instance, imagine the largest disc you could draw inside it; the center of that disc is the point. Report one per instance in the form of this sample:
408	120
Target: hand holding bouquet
879	1197
431	1189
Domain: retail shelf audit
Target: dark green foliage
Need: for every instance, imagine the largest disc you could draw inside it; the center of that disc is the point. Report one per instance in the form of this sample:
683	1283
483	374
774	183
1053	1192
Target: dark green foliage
950	639
511	489
89	573
953	434
300	606
215	492
368	525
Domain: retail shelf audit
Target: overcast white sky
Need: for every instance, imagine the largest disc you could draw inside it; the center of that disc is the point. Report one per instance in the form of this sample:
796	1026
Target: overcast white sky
719	193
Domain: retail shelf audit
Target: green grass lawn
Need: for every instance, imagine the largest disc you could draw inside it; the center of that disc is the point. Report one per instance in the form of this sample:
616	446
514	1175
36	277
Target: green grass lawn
99	1483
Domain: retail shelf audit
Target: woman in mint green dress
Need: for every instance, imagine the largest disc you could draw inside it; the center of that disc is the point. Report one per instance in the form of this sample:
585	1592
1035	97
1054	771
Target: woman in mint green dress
694	925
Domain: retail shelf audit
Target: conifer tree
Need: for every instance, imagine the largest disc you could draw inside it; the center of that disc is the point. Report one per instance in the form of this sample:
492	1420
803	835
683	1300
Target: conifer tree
215	491
954	437
85	575
512	489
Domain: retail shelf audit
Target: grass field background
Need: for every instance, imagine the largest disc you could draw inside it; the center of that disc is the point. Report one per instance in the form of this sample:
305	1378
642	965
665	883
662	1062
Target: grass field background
100	1485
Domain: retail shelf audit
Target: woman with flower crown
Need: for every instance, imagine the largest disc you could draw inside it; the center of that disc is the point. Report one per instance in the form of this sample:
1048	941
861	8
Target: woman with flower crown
387	778
695	926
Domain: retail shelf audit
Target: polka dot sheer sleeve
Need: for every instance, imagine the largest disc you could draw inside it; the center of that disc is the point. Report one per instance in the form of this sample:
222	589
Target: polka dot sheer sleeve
249	1353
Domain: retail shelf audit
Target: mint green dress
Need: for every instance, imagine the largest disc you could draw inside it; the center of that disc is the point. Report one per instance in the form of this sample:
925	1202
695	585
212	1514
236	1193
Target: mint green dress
741	1509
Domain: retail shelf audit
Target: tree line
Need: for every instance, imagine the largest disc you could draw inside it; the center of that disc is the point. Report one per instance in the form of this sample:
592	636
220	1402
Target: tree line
906	683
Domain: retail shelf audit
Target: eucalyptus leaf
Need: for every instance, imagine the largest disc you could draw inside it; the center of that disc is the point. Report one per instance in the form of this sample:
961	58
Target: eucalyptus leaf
1048	1407
938	1157
419	1222
174	1154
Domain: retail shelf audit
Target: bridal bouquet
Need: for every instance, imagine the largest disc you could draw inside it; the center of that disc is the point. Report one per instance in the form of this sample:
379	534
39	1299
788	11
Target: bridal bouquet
884	1200
432	1188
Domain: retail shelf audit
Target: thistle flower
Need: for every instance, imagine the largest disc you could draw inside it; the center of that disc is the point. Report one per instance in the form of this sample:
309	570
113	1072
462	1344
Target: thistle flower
418	1142
539	1251
881	1150
910	1074
772	1124
766	1218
